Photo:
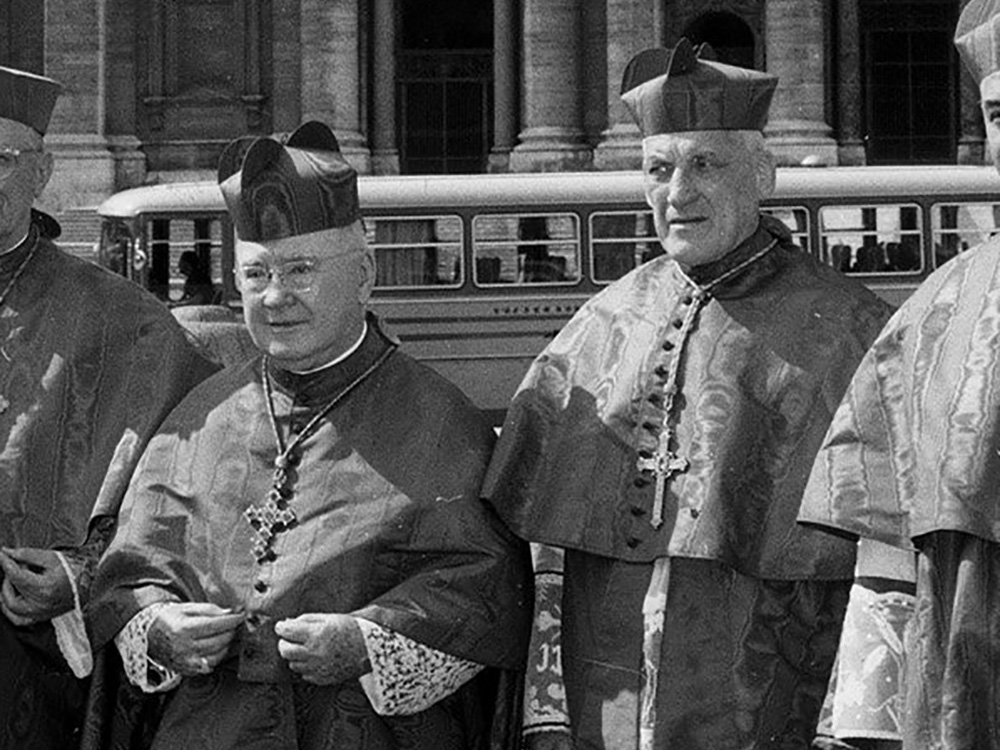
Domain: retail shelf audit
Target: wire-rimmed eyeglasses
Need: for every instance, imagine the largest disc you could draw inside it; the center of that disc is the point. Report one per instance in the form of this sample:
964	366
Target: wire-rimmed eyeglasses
9	159
296	275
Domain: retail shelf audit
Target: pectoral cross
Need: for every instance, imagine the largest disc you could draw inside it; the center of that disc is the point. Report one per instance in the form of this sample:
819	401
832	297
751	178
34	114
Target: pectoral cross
266	521
664	464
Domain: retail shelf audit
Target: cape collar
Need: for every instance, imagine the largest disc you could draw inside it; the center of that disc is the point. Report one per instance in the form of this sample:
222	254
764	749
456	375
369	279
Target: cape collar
750	263
319	386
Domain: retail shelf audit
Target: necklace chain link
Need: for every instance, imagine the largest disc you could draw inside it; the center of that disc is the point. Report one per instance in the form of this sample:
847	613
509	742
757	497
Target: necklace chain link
275	515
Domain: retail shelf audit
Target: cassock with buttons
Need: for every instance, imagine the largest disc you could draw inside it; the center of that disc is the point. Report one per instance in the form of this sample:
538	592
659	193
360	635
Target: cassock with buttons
344	491
912	463
661	445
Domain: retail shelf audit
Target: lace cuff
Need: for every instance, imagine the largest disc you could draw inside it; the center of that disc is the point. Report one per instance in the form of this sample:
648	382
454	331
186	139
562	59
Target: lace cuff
133	645
408	677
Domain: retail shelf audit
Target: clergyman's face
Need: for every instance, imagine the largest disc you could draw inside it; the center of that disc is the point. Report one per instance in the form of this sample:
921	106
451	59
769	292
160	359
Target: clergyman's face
705	189
311	307
989	90
19	188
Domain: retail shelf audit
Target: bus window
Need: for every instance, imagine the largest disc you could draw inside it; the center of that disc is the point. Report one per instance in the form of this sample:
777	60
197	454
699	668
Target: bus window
621	241
115	250
423	251
958	226
199	241
871	239
796	218
518	249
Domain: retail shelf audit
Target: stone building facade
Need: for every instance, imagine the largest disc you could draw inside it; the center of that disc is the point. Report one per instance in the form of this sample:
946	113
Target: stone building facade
155	88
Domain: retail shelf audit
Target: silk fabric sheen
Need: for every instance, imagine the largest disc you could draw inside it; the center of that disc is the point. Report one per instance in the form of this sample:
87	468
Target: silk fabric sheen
914	447
767	362
390	528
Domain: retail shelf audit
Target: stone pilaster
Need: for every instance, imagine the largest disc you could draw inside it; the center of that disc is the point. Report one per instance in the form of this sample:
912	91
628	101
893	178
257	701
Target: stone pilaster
504	85
851	147
632	28
331	73
385	154
86	171
553	137
797	128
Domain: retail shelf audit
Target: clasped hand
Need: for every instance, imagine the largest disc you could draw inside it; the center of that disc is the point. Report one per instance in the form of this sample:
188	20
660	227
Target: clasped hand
193	638
325	649
35	586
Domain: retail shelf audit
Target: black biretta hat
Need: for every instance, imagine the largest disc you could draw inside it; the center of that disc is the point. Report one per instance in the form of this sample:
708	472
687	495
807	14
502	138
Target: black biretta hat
282	188
27	98
678	90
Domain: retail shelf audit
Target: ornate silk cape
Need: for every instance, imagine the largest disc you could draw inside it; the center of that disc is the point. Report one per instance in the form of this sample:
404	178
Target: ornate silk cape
390	524
915	446
764	368
89	366
87	359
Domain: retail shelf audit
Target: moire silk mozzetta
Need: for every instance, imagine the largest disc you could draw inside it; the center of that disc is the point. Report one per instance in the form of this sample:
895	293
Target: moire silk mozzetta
765	366
914	447
86	359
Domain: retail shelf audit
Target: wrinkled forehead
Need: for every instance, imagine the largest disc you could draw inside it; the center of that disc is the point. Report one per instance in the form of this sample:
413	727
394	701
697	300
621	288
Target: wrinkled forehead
693	143
14	134
326	243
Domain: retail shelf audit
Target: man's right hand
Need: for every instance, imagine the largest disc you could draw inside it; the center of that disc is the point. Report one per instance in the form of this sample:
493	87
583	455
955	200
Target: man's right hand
192	637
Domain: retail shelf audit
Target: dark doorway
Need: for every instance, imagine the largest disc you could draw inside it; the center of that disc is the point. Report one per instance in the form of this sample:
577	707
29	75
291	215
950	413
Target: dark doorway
445	86
729	36
22	35
911	81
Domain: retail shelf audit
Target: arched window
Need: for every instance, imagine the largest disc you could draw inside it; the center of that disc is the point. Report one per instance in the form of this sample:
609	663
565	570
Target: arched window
729	36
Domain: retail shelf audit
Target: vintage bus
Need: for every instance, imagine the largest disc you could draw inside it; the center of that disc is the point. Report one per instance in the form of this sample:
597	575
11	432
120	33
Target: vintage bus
477	272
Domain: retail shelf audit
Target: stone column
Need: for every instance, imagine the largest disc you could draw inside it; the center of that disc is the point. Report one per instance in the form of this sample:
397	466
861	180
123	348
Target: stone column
74	54
797	128
553	137
385	152
331	73
504	85
851	146
632	28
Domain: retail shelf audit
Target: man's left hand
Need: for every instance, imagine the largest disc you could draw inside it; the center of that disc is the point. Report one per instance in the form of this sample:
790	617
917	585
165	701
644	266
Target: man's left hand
325	649
35	586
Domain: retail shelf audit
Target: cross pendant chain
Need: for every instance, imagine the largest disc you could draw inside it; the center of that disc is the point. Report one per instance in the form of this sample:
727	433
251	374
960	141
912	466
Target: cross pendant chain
273	516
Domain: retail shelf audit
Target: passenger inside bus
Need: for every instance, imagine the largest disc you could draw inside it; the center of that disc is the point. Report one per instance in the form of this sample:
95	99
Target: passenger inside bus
537	265
198	286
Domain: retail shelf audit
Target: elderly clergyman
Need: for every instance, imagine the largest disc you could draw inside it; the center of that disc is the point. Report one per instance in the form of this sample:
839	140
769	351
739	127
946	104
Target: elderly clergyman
662	442
303	557
89	366
912	460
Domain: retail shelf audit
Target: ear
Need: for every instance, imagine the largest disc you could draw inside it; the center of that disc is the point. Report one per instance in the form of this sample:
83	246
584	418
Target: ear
766	172
43	171
366	275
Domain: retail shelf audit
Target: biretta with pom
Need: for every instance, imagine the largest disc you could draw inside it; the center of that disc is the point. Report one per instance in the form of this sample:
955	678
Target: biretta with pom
278	188
679	90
